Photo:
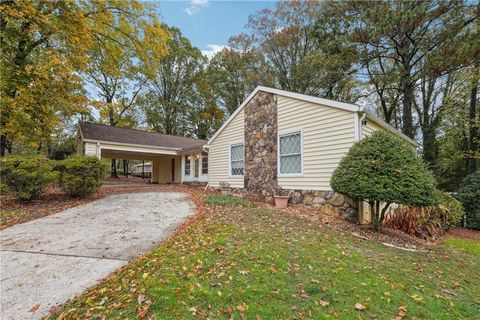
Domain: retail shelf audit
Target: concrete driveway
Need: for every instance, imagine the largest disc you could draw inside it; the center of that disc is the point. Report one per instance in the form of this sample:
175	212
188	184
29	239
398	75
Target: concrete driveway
46	261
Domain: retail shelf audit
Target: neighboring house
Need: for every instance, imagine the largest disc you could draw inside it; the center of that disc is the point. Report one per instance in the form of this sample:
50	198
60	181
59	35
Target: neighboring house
274	139
294	141
142	168
174	159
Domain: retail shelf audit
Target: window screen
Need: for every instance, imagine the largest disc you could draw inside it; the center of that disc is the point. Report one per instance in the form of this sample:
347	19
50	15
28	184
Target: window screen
291	153
236	160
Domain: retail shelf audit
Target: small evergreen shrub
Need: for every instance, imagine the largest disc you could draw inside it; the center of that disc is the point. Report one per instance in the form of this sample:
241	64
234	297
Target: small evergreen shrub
26	177
383	168
450	211
81	176
469	195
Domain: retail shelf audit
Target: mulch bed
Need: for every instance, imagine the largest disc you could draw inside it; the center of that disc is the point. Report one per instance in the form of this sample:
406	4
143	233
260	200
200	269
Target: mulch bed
54	201
465	233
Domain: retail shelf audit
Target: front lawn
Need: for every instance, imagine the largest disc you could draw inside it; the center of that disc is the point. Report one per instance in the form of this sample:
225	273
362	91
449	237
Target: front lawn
244	262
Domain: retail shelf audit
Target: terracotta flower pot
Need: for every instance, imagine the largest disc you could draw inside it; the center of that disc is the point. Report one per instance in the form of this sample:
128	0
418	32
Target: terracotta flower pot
281	202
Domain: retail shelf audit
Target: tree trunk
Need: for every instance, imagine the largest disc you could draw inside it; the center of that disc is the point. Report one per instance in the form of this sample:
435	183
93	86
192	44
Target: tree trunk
3	145
374	214
407	104
473	129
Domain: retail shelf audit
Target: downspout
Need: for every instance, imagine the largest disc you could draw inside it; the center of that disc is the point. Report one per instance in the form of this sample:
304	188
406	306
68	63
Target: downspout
205	149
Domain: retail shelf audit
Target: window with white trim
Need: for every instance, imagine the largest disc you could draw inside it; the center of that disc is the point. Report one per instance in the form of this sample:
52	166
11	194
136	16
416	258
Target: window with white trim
187	165
204	163
290	155
236	160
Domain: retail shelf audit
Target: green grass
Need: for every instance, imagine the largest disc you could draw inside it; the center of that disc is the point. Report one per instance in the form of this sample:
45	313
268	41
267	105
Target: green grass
224	200
259	264
8	216
468	245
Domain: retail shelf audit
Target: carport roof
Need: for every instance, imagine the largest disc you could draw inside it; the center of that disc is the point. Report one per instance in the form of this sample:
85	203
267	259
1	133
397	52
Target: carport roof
105	133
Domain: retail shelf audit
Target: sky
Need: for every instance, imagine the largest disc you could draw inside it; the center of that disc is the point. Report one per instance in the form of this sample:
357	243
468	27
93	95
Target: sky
209	24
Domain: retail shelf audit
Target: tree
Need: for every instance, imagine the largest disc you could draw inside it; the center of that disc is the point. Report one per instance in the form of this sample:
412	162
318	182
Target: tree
406	41
235	72
173	85
383	169
41	43
304	49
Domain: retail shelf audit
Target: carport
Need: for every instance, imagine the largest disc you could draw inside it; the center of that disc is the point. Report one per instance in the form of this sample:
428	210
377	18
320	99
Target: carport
174	159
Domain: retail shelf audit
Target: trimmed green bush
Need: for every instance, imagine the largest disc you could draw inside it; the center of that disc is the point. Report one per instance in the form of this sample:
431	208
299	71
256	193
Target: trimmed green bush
451	211
469	195
384	169
81	176
26	176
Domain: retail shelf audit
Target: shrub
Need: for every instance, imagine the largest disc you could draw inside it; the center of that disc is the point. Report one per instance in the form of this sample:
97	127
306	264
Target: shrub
469	195
26	176
383	168
82	176
224	200
450	211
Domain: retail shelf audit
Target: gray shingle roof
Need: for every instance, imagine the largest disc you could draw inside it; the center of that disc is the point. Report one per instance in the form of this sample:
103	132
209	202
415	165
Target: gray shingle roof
102	132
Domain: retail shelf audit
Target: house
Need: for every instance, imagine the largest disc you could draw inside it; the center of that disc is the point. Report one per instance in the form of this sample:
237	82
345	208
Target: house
275	139
294	141
174	159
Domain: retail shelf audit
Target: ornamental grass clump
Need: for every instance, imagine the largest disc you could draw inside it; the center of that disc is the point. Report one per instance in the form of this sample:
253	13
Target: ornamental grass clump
382	169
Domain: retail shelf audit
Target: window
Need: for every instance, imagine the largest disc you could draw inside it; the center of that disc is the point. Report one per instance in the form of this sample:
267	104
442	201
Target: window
290	153
236	160
195	167
187	165
204	163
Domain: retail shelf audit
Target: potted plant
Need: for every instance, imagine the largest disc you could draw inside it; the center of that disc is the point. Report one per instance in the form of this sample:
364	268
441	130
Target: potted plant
281	198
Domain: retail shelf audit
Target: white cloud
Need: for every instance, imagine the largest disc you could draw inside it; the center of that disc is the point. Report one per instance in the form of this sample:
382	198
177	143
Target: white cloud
195	5
212	49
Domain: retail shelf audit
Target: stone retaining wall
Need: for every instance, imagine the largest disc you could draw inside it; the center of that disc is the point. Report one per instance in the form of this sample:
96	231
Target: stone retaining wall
330	202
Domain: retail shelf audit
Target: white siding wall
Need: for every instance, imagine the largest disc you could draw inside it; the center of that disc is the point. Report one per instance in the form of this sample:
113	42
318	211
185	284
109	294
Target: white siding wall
90	149
219	153
369	128
327	132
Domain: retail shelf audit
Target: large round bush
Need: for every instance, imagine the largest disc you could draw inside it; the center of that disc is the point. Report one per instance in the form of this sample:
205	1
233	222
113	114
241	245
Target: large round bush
451	211
81	176
26	176
469	195
383	169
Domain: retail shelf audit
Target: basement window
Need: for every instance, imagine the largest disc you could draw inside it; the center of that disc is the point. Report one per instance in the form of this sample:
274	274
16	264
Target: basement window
290	155
236	160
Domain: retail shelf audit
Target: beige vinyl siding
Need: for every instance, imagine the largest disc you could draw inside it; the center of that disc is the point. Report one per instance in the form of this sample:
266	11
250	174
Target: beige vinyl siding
219	153
327	134
90	149
369	128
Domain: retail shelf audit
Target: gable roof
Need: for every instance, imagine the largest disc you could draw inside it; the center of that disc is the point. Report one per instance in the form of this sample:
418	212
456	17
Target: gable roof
104	133
316	100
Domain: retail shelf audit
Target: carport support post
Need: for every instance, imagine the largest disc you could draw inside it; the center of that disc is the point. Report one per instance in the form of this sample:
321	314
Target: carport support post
155	165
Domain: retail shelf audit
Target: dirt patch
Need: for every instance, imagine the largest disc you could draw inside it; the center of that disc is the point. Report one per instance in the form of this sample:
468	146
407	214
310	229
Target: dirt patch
385	235
54	200
465	233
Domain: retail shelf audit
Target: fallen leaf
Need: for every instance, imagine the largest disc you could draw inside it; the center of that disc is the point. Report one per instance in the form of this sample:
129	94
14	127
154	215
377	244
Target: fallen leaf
242	307
360	306
34	308
324	303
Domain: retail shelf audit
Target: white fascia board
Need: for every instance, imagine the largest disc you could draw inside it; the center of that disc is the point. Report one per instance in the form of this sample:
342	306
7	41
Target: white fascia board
132	145
299	96
382	123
